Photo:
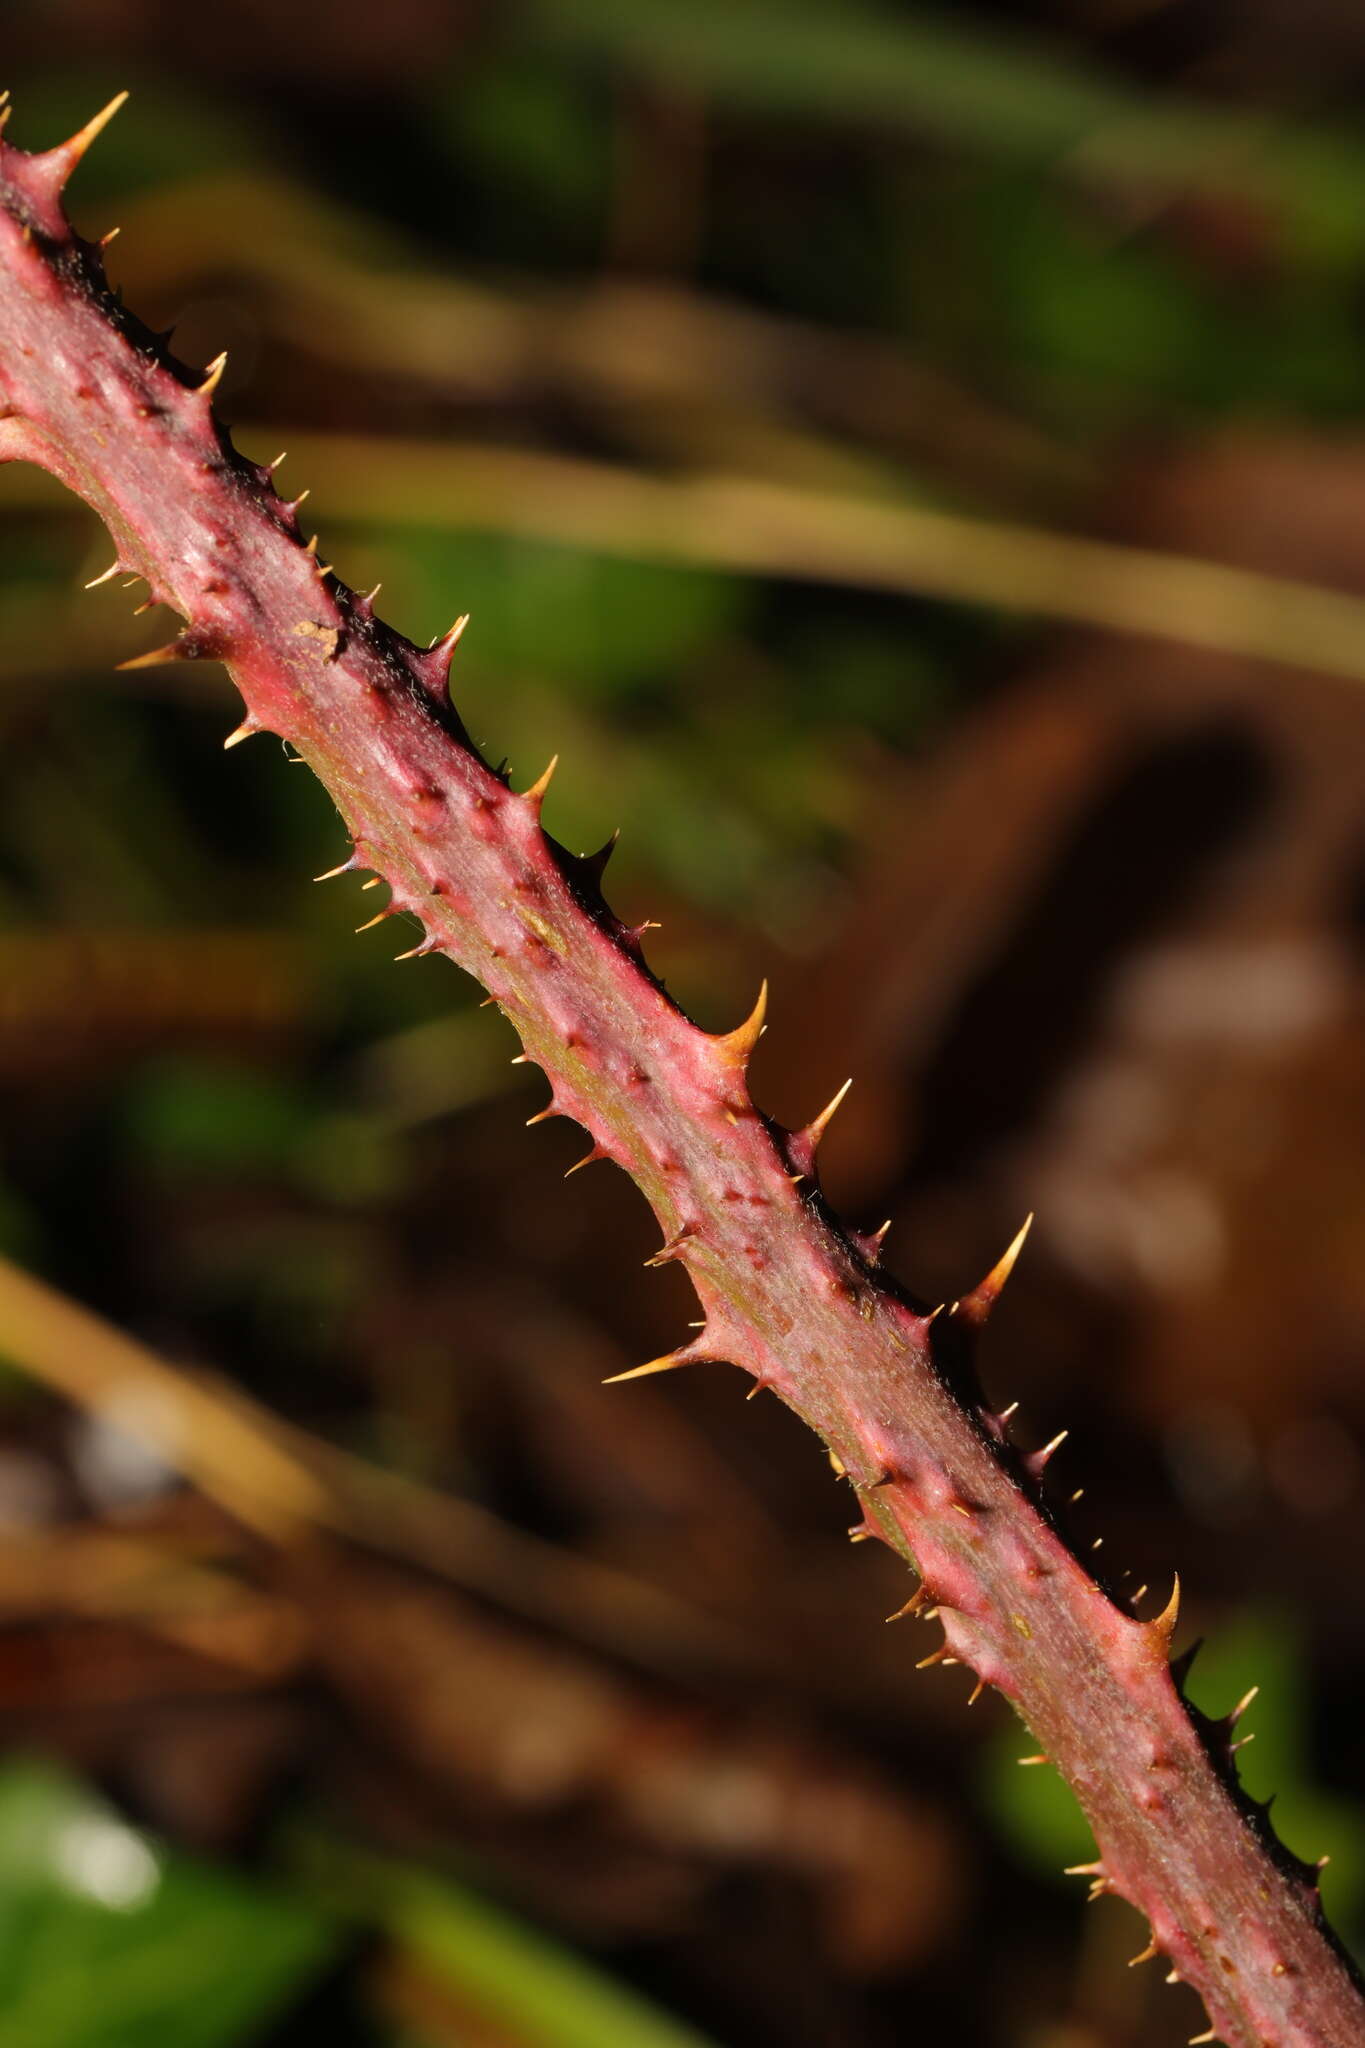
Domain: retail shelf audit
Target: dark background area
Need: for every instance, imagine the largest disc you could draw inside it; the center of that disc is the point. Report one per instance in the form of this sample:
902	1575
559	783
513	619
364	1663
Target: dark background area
838	420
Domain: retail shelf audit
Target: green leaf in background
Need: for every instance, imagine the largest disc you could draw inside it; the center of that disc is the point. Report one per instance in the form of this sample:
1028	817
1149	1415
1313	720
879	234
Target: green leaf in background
106	1941
532	1990
1040	1821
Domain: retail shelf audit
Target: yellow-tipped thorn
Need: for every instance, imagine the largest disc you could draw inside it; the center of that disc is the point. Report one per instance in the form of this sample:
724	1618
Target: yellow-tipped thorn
156	656
373	882
347	867
976	1692
974	1308
1243	1703
816	1128
640	1372
103	577
245	731
1147	1955
1165	1622
536	793
370	923
541	1116
213	375
449	641
1025	1761
412	952
737	1045
112	236
586	1160
1084	1870
77	144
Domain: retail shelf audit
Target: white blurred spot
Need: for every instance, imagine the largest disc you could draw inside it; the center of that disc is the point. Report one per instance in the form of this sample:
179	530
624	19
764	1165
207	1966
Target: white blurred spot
117	1448
105	1861
1264	996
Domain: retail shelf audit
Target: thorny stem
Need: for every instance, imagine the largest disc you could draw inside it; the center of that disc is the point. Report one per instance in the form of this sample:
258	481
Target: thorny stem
788	1294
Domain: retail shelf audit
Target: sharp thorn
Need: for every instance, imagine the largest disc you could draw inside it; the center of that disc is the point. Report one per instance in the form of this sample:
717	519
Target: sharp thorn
112	570
1039	1759
213	375
370	923
1146	1955
347	867
974	1309
76	146
156	656
536	793
244	731
1243	1703
640	1372
817	1127
112	236
1165	1622
586	1160
737	1045
447	642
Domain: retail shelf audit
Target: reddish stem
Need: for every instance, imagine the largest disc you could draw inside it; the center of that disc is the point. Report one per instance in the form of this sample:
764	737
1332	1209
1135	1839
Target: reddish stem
787	1294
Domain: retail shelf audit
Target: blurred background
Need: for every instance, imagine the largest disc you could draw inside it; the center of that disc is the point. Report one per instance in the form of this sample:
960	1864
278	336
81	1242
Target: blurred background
910	465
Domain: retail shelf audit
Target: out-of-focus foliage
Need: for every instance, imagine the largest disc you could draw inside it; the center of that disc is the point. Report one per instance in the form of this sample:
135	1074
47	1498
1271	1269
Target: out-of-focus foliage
108	1941
908	466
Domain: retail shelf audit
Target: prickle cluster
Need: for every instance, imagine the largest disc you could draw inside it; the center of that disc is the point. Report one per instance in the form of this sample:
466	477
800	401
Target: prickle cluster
787	1294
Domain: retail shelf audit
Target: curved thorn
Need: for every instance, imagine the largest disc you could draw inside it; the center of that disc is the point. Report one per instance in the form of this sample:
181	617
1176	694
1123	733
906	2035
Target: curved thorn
213	375
1146	1955
974	1308
112	570
1243	1703
586	1160
245	731
536	793
737	1045
1165	1622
